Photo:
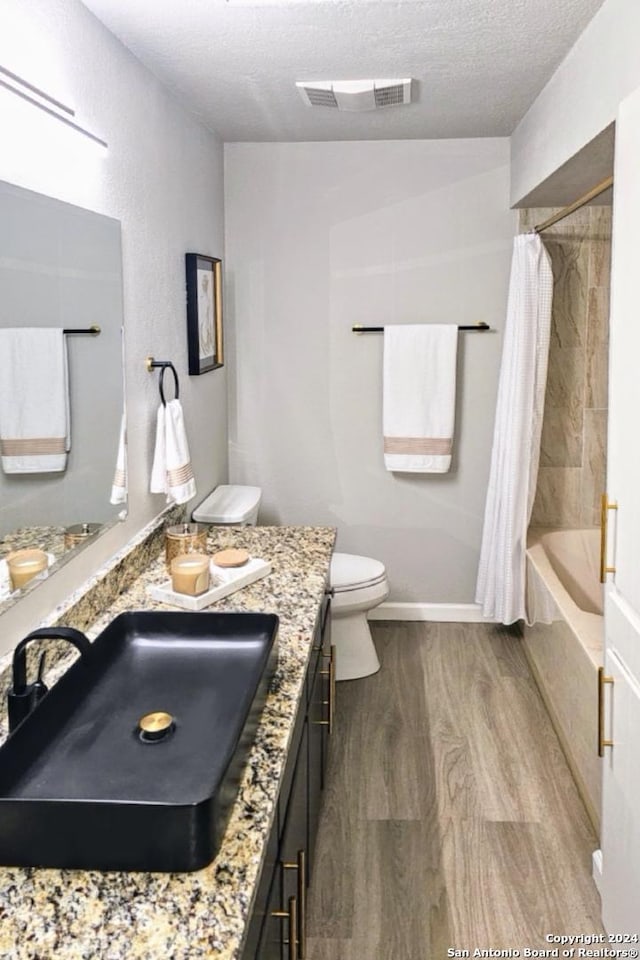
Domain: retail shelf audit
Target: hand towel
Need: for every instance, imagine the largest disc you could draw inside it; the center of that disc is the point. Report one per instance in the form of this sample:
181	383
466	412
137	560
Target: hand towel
419	393
5	581
172	472
159	468
119	487
34	400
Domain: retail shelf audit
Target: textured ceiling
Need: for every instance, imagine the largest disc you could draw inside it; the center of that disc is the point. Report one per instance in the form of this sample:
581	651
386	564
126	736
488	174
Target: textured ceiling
478	64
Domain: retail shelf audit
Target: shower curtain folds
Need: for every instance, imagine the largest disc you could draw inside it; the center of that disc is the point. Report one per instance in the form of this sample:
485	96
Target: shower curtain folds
516	440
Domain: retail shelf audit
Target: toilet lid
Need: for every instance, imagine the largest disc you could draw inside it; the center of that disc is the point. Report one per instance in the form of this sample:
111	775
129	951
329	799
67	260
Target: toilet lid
348	570
229	503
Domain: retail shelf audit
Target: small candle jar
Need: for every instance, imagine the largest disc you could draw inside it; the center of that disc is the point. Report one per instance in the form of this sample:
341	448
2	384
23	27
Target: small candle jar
184	538
190	573
78	533
24	565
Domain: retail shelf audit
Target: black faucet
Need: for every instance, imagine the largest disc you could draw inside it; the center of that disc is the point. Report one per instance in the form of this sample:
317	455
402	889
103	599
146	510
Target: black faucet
23	696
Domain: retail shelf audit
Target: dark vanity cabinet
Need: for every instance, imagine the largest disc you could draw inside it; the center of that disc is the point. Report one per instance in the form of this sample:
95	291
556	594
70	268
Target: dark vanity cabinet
277	928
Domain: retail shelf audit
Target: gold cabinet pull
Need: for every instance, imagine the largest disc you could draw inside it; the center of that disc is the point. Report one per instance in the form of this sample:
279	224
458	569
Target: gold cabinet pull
602	679
605	506
331	673
291	916
301	866
332	687
293	929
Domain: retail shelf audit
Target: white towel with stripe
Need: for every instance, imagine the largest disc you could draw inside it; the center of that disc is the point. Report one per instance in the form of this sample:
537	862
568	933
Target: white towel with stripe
172	472
419	396
35	434
119	487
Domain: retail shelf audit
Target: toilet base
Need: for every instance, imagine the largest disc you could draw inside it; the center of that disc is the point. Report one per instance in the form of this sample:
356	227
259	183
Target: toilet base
355	651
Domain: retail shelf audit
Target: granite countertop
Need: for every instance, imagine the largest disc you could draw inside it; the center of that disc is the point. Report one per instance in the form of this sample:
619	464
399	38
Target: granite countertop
88	915
48	538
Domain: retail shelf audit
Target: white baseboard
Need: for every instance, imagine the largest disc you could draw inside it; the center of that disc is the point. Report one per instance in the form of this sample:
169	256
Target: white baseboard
596	870
440	612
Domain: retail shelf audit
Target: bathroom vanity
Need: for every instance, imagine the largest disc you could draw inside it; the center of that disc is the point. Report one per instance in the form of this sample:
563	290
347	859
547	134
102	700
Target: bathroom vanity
249	902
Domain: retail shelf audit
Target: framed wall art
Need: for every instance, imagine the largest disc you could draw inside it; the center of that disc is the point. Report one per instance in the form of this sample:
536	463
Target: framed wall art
204	313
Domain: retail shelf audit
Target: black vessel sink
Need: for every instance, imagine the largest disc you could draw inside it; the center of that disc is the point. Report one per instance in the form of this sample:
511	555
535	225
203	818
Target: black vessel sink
83	785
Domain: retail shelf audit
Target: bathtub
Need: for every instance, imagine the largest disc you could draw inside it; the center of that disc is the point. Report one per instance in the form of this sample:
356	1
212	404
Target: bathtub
564	645
575	557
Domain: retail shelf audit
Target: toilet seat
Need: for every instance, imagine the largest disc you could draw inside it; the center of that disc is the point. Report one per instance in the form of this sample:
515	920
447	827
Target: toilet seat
351	572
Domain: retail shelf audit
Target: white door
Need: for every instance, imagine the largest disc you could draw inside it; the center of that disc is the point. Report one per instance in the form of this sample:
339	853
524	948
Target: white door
620	886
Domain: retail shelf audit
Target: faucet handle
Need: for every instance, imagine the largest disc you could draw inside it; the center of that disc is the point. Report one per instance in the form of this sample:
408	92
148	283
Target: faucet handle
39	687
43	660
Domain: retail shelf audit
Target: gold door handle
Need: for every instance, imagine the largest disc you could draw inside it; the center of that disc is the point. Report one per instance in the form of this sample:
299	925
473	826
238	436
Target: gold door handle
605	506
292	916
301	866
602	743
331	673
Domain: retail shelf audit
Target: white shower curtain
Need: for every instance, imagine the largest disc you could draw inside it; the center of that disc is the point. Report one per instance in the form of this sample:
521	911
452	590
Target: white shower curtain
516	438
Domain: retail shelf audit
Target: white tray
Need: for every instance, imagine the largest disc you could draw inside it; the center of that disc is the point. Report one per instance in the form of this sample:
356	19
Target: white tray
224	580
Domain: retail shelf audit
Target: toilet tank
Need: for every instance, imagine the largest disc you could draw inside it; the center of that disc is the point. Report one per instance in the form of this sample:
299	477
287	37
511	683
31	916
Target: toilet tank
230	503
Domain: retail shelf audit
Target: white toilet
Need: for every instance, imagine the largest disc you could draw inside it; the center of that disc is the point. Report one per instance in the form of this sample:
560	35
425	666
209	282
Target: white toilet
230	504
357	584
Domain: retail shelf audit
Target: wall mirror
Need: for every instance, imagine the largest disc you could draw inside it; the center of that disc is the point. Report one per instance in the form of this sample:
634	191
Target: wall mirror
60	267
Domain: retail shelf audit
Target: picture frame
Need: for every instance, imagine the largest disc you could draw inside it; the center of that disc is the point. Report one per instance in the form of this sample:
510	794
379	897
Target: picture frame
204	313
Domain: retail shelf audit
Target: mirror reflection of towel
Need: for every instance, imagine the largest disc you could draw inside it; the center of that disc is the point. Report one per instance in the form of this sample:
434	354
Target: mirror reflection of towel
35	434
119	487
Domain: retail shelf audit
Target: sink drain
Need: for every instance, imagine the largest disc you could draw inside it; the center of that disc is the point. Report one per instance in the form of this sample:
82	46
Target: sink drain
155	726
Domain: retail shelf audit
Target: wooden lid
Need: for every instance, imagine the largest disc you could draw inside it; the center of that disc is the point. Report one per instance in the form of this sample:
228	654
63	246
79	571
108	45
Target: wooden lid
231	558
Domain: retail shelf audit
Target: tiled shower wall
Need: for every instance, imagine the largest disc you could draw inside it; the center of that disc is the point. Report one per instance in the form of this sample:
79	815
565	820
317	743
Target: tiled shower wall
574	434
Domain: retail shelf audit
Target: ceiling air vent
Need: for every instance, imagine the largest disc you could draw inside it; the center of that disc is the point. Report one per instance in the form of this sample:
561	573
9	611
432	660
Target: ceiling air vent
319	97
355	95
392	94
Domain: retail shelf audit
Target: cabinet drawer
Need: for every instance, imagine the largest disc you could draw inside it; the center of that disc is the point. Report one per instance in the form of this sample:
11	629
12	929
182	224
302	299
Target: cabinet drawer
290	768
321	642
261	905
274	930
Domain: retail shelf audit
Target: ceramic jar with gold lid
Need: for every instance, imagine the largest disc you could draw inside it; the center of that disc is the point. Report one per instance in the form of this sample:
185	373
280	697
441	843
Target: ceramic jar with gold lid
184	538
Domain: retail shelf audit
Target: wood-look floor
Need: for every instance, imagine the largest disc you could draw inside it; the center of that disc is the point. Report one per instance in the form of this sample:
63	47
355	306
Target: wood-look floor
450	817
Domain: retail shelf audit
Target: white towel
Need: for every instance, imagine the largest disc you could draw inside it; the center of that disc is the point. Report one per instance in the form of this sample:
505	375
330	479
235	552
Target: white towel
35	432
419	396
172	472
5	581
119	487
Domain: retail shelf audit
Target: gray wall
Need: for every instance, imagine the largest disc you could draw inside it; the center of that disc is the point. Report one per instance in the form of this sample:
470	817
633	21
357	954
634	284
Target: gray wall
162	178
323	235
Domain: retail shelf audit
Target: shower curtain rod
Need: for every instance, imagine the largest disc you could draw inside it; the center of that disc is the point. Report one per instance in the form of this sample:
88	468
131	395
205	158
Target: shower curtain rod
580	202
